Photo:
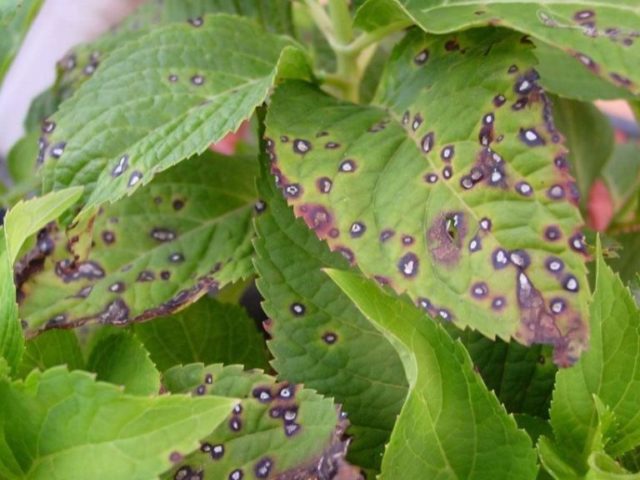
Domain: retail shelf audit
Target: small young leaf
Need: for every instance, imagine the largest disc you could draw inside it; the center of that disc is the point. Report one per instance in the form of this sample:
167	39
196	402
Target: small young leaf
445	396
120	358
279	430
319	337
207	332
15	19
52	348
61	424
154	253
467	205
160	98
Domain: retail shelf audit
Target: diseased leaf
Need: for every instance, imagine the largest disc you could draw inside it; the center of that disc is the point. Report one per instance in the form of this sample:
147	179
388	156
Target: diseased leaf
610	370
52	348
601	34
159	99
120	358
279	430
207	332
466	204
319	337
155	252
445	396
58	424
15	19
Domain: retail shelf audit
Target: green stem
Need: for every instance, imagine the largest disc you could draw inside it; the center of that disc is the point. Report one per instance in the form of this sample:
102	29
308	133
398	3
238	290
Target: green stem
347	61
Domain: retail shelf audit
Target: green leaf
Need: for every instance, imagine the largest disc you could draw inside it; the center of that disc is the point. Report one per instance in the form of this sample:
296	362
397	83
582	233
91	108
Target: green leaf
589	137
603	467
462	204
144	111
601	34
52	348
154	253
15	19
279	430
445	396
58	424
21	222
610	369
319	337
622	176
207	332
627	262
21	160
121	358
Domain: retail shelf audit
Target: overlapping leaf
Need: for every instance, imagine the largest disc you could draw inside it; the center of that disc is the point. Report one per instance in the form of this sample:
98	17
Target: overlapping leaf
52	348
319	337
279	430
159	99
15	18
154	253
603	35
451	426
207	332
58	424
456	189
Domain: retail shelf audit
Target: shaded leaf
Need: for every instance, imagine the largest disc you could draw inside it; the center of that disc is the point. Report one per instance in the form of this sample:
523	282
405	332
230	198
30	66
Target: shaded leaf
120	358
15	19
279	430
622	176
155	252
21	160
466	205
206	332
319	337
54	422
601	34
52	348
143	112
445	395
627	262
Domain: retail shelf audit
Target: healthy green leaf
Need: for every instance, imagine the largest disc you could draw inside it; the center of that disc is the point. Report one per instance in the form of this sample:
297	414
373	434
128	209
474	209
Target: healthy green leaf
319	337
627	262
15	19
601	34
466	204
278	431
21	160
445	396
58	424
622	176
207	332
610	370
52	348
159	99
155	252
120	358
589	137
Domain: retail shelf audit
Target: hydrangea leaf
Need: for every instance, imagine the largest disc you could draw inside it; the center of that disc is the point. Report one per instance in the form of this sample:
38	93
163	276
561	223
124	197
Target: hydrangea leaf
207	332
120	358
602	34
52	348
610	370
466	205
622	176
22	221
279	430
53	422
154	252
445	395
143	111
319	337
15	19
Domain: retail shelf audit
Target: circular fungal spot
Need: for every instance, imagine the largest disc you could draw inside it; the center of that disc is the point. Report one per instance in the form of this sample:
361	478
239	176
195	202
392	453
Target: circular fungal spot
108	237
275	412
479	290
165	275
523	86
136	176
290	414
500	259
407	240
334	233
557	306
293	190
561	162
576	243
431	178
117	287
347	166
513	69
488	119
499	100
297	309
263	468
530	137
196	22
498	303
386	235
476	174
331	145
330	338
447	172
197	80
584	15
587	61
260	206
571	283
346	253
408	265
286	392
406	116
421	58
262	394
162	234
184	473
290	429
427	142
424	304
301	146
357	229
324	184
284	138
235	424
475	244
417	121
447	153
444	314
178	204
237	474
451	45
520	258
520	104
48	126
556	192
173	78
237	410
58	149
176	257
466	182
217	451
485	224
121	166
554	264
201	390
552	233
208	379
524	189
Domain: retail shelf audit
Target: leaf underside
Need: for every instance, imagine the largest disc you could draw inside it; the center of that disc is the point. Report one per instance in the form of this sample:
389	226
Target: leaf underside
467	205
279	430
153	253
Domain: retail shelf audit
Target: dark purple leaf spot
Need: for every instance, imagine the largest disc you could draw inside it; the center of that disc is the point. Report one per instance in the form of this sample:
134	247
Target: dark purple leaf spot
552	233
235	424
48	126
556	192
201	390
485	224
530	137
576	242
417	121
237	474
554	264
427	142
499	100
263	467
330	338
447	172
386	235
571	284
293	190
347	166
176	257
524	189
324	184
197	80
165	275
173	78
178	204
136	176
260	206
557	306
479	290
331	145
357	229
445	237
422	57
431	178
58	149
162	234
447	153
500	258
408	265
117	287
520	258
498	303
475	244
262	394
407	240
451	45
115	313
108	237
301	146
297	309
